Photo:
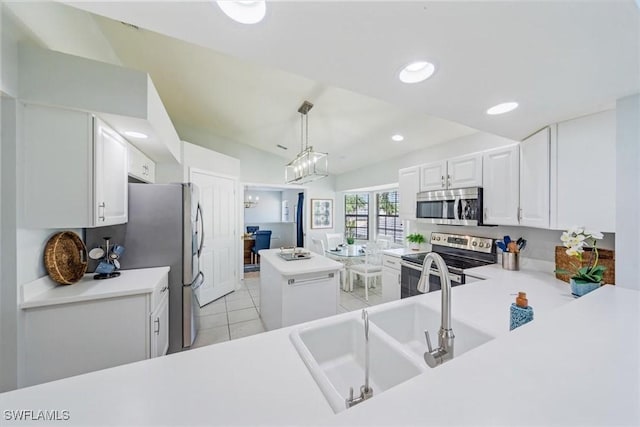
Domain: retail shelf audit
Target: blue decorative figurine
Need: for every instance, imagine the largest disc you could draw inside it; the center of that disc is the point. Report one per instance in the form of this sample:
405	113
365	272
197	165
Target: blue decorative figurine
521	312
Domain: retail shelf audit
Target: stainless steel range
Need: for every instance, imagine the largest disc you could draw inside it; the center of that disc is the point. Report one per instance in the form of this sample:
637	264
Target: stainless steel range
460	253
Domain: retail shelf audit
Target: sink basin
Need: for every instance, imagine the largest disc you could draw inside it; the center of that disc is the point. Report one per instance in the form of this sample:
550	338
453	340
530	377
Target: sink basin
334	352
407	323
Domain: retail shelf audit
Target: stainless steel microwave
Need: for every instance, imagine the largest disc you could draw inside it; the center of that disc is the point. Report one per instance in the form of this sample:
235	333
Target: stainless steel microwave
462	206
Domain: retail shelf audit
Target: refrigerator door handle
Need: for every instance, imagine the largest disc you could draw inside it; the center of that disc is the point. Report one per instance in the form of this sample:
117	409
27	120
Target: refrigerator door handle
199	281
201	221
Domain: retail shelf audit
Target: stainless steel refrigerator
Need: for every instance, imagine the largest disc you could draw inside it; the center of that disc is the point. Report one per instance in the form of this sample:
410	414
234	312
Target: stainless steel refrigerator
164	228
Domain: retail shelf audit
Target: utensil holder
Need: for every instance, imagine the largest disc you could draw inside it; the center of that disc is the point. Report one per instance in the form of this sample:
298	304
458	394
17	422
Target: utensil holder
511	261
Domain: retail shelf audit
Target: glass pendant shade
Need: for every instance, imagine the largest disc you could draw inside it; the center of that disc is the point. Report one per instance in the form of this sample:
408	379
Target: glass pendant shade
308	165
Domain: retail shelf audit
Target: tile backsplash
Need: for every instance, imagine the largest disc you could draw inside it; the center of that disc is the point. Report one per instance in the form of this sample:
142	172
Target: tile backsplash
541	243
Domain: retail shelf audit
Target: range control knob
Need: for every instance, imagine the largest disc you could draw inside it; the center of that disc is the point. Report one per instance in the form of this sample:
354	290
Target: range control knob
481	245
474	243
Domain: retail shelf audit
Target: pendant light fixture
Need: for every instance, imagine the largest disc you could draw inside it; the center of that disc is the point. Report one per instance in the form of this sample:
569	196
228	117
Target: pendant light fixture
308	165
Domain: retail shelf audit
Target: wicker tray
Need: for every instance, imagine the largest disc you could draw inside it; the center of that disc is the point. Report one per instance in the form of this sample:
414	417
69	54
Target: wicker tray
65	257
606	258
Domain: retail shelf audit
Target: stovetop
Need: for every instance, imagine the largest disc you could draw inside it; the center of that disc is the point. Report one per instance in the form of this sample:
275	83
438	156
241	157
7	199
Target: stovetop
459	252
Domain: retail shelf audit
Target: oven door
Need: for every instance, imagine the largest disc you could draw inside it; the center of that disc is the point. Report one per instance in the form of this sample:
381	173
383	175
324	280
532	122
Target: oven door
409	277
435	284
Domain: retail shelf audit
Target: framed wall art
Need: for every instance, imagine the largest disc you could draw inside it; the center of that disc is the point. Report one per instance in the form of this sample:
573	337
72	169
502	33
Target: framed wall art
321	213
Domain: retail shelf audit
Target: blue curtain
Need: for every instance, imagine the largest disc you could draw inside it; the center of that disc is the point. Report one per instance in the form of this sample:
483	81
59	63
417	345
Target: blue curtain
299	225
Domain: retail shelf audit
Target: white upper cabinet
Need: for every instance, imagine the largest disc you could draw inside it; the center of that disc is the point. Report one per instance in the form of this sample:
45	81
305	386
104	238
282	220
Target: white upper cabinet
408	187
501	180
110	176
140	166
534	179
465	171
433	176
459	172
585	163
74	170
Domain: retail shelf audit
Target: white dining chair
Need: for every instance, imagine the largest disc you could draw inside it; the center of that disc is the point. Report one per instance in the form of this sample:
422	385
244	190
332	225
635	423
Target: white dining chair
384	241
317	246
371	268
334	239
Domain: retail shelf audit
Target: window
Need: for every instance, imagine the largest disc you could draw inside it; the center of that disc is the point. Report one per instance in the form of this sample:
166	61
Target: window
356	218
387	221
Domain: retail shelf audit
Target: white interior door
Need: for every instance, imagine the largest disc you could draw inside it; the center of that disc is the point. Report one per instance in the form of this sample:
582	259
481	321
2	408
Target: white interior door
218	260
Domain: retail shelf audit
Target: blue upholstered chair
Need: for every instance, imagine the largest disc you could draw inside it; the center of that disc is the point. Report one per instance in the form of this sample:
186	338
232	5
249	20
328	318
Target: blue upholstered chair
262	241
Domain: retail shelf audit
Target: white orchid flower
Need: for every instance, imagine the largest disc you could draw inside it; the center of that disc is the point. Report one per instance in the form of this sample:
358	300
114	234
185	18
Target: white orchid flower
594	234
565	237
576	229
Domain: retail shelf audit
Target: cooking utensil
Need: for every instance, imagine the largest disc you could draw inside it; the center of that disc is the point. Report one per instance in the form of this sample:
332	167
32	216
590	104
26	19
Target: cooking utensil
501	245
506	240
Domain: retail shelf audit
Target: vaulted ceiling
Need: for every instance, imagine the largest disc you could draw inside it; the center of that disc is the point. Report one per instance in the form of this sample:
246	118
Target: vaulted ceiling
558	59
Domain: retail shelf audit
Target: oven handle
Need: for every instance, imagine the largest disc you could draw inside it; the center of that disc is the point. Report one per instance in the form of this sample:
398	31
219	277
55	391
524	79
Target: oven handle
456	206
453	277
411	265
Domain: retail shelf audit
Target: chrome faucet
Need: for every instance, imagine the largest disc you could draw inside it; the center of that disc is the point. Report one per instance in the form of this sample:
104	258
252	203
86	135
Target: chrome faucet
366	392
444	351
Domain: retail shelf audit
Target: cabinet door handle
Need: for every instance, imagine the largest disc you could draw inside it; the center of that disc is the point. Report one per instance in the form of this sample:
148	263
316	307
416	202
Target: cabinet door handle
102	205
519	214
442	181
157	323
448	180
485	213
164	289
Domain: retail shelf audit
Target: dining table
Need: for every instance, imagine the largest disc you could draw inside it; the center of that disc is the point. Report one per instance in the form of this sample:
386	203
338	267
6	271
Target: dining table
347	255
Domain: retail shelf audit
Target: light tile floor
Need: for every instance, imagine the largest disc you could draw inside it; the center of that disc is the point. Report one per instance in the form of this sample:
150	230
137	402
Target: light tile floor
236	315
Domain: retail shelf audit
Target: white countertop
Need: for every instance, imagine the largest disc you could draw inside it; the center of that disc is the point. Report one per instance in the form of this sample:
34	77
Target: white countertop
575	364
315	264
398	252
44	291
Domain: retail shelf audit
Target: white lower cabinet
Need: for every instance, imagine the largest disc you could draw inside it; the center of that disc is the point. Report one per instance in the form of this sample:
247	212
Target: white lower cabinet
94	324
501	185
390	278
160	327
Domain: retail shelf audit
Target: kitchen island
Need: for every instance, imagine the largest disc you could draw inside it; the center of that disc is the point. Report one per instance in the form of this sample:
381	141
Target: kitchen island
298	290
575	364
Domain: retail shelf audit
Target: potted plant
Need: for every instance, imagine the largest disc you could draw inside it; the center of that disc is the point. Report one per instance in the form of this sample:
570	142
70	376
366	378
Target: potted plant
415	240
585	278
350	235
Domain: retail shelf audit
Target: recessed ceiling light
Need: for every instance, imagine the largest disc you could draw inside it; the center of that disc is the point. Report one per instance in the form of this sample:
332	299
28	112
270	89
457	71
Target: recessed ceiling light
417	72
134	134
505	107
244	12
397	137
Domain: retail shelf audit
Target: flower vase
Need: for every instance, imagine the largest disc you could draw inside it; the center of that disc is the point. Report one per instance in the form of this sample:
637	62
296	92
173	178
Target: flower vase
582	287
414	246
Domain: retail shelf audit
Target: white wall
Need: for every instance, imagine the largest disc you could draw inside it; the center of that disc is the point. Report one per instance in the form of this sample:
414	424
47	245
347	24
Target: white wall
261	167
628	192
540	243
267	210
8	288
